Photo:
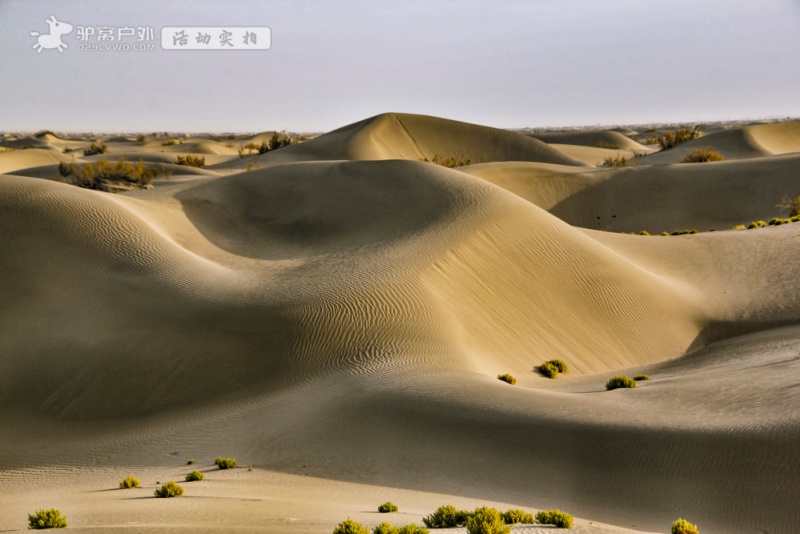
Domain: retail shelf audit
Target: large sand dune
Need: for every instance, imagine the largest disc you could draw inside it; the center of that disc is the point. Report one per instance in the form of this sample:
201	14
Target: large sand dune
336	321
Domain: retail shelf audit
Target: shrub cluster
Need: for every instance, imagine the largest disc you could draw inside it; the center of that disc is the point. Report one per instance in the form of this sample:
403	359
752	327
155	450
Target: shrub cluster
450	162
514	516
350	527
778	221
681	135
130	482
554	517
42	519
387	507
551	368
619	161
104	175
278	140
447	516
507	378
639	378
684	232
225	463
604	144
194	475
754	224
94	148
701	155
170	489
620	382
792	204
681	526
486	520
191	161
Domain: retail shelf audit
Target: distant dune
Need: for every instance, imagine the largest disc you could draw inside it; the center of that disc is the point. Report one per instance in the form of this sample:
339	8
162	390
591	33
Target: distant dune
335	317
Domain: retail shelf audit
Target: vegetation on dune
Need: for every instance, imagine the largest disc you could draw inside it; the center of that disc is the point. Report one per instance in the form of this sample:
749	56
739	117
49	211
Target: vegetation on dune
604	144
350	527
754	224
170	489
515	516
191	161
194	476
681	135
552	368
619	161
278	140
684	232
507	378
387	507
701	155
42	519
104	175
95	148
190	462
485	520
447	516
130	482
681	526
556	518
225	463
792	204
385	528
639	378
450	162
620	382
412	529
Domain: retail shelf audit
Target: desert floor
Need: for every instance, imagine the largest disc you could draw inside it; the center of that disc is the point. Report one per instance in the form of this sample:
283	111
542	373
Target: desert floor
334	315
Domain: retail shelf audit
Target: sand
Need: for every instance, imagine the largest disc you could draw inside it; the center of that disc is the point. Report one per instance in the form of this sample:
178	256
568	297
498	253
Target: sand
336	319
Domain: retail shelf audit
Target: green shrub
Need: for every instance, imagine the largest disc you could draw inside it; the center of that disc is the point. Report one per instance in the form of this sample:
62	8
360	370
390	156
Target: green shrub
554	517
191	161
413	529
561	365
664	233
644	232
701	155
681	526
448	162
387	507
447	516
517	516
94	148
639	378
507	378
194	475
170	489
104	175
549	370
350	527
130	482
385	528
190	462
684	232
486	520
681	135
225	463
620	382
42	519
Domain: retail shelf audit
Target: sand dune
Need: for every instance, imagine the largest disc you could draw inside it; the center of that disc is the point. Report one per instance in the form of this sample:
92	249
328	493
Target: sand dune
336	321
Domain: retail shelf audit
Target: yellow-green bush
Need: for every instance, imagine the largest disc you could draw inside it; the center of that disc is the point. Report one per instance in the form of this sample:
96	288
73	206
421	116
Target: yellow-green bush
104	175
447	516
191	161
412	529
701	155
95	148
194	476
620	382
681	526
514	516
225	463
554	517
170	489
448	162
485	520
387	507
42	519
507	378
350	527
385	528
130	482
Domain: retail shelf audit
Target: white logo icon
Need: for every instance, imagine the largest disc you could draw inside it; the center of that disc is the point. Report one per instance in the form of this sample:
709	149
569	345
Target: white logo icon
52	39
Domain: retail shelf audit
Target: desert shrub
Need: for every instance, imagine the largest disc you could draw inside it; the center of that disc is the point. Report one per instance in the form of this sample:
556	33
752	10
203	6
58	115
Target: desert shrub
486	520
561	365
701	155
94	148
170	489
757	224
350	527
619	161
620	382
225	463
42	519
684	232
681	526
412	529
130	482
190	462
792	204
681	135
105	175
644	232
42	133
141	138
604	144
448	162
169	142
385	528
507	378
447	516
387	507
554	517
512	517
548	369
664	233
191	161
639	378
194	475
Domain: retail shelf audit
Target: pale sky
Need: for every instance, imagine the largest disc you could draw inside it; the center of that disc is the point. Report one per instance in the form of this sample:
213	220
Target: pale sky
507	64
